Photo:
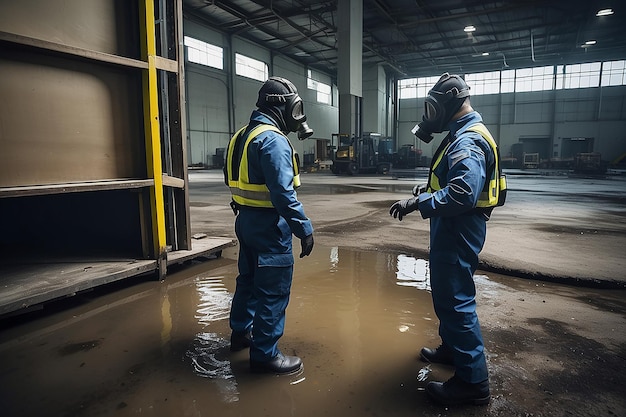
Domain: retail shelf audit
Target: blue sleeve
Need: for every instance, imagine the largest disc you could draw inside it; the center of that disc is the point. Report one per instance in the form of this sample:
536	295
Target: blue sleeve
466	172
277	166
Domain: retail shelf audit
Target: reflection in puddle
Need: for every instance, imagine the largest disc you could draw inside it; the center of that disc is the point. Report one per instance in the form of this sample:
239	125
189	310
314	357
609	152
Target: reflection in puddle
413	272
204	358
214	303
208	353
334	259
423	373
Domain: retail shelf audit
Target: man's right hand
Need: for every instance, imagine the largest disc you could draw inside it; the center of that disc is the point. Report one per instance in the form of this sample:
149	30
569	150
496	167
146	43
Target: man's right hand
418	189
401	208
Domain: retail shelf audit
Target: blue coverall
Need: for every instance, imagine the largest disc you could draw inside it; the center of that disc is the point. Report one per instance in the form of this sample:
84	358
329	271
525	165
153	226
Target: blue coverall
265	244
457	235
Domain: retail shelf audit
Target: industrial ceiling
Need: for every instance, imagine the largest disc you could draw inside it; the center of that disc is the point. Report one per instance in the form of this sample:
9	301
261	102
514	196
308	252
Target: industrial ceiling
427	37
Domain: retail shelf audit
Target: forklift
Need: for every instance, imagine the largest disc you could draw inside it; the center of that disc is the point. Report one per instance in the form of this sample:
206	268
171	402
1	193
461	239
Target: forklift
368	154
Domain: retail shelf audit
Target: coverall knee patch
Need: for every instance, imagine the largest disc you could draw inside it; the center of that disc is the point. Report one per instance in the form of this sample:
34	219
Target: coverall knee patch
275	259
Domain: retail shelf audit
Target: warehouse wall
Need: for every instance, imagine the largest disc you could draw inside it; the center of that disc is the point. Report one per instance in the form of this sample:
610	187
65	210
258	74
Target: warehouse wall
543	120
220	102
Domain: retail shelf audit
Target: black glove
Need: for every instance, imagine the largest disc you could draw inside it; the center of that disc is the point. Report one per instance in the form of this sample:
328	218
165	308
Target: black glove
401	208
307	245
419	189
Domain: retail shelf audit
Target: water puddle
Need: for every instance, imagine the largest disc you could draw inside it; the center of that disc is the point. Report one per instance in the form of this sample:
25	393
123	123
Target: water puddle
357	319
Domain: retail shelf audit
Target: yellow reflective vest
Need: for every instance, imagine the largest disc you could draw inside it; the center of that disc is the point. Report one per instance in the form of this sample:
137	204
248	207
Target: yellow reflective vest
493	193
243	191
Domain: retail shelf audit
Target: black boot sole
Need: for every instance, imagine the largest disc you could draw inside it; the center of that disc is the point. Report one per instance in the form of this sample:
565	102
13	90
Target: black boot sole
264	370
474	401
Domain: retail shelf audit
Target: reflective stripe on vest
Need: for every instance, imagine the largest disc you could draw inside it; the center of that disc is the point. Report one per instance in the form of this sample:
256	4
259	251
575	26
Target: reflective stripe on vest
494	191
244	192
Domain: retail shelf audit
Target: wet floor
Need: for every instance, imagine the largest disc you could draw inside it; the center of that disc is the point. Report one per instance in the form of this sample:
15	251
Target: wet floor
357	319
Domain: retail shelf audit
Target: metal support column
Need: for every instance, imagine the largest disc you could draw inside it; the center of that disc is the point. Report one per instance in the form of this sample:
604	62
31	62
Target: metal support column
350	65
152	132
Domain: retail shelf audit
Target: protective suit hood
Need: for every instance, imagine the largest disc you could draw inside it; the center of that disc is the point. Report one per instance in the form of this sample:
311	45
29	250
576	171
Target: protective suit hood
279	98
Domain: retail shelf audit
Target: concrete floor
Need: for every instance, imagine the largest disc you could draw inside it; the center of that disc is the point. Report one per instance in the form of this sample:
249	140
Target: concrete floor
360	312
553	350
552	228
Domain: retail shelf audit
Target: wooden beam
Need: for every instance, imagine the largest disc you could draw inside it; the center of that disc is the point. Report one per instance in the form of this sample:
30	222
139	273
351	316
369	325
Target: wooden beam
73	187
71	50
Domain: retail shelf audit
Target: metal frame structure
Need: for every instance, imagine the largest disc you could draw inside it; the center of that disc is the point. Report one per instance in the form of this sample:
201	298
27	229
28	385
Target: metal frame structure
109	199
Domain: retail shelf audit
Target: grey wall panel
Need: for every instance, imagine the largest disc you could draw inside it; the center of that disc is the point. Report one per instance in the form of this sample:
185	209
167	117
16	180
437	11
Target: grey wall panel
207	113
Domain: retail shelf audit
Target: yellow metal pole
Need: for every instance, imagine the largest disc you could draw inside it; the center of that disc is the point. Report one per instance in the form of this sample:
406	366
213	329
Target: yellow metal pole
152	129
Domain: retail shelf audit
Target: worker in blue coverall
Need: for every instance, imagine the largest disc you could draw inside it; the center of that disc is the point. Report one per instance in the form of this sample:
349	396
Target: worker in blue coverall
262	173
456	202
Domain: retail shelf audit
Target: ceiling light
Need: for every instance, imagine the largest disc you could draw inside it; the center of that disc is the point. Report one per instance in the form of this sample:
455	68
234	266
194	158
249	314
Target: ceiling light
604	12
469	29
591	42
485	53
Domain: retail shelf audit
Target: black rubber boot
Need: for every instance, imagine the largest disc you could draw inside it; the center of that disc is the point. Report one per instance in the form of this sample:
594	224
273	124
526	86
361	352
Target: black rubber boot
443	355
240	341
280	365
455	391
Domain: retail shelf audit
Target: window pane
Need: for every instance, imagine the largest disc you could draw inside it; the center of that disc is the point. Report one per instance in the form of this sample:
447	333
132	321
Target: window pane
614	73
484	83
582	75
203	53
533	79
251	68
508	81
323	90
407	88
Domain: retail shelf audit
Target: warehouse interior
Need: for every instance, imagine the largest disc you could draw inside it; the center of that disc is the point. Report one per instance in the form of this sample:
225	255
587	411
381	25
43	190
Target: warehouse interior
103	114
306	42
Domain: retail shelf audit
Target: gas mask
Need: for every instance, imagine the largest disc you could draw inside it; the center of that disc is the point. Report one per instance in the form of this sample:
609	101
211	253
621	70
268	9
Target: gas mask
295	118
443	101
280	93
